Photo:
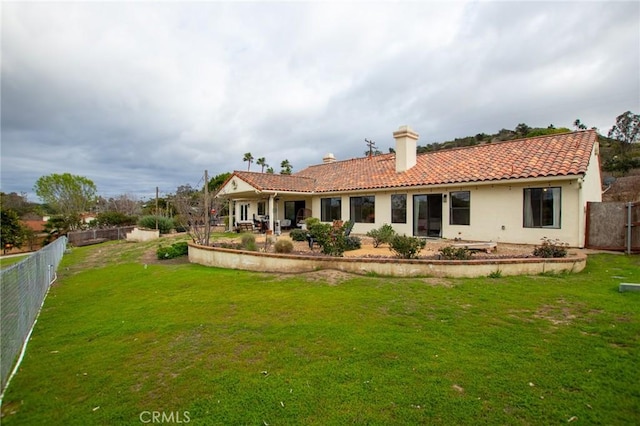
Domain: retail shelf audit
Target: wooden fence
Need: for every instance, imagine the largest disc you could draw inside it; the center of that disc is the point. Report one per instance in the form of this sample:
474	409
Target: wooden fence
80	238
613	226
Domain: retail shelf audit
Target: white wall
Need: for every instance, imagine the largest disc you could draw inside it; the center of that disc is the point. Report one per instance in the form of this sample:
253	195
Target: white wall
496	211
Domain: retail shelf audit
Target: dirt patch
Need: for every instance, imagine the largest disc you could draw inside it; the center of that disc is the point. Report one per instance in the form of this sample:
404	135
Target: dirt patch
324	276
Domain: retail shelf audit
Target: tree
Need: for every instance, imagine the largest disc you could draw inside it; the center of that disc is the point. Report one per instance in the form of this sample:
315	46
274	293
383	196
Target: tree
248	158
67	194
579	125
262	162
286	167
12	232
126	204
522	129
190	207
216	182
17	202
626	130
270	170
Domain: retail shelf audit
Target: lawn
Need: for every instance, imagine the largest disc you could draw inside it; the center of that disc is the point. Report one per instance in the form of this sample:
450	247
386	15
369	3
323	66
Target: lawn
119	339
5	262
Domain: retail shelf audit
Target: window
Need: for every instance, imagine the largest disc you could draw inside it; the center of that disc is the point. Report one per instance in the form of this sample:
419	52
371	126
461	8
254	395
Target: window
262	208
399	208
244	212
460	208
541	208
363	209
330	209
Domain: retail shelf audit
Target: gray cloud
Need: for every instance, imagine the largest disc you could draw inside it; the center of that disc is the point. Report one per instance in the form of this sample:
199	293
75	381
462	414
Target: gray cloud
139	95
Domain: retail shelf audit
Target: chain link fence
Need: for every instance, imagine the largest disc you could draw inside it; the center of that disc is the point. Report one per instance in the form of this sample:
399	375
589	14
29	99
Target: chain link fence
23	287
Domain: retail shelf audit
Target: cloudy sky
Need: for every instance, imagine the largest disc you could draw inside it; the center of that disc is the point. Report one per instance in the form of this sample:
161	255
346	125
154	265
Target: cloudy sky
134	95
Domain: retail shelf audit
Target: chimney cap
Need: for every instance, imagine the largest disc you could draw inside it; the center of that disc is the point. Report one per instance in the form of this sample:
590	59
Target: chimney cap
328	158
405	131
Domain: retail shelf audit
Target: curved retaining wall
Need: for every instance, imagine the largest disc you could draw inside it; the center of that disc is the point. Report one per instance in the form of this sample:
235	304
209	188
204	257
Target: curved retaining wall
285	263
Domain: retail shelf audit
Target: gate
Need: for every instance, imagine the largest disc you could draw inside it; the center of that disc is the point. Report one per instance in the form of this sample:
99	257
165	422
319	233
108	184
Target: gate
613	226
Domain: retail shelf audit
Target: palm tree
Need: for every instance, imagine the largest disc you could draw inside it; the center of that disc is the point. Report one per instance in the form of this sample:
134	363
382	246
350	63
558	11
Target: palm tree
248	157
286	167
262	162
270	170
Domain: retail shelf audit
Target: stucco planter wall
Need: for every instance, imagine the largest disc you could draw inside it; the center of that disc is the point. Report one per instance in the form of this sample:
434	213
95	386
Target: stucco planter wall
143	235
284	263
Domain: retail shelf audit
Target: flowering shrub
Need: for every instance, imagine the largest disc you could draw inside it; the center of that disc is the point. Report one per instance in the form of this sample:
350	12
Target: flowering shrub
551	248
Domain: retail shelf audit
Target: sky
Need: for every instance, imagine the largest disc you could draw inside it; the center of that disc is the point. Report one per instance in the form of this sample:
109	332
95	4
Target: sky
139	95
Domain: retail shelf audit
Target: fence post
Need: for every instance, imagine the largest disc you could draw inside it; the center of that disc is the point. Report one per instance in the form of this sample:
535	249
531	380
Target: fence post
629	206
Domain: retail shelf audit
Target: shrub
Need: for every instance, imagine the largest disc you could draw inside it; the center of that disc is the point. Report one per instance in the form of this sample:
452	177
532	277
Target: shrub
165	224
248	242
352	243
172	251
406	247
550	248
298	235
112	218
310	221
382	235
283	246
332	241
455	253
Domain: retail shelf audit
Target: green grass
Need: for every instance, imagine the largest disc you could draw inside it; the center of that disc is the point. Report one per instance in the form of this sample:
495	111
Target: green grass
5	262
116	338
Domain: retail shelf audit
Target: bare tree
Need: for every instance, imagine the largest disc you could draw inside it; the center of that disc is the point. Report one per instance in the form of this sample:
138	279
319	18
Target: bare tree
190	208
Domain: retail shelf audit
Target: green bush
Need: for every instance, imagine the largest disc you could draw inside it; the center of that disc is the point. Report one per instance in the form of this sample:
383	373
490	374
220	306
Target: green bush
172	251
550	248
455	253
406	247
332	241
112	218
283	246
382	235
248	242
352	243
310	221
165	224
298	235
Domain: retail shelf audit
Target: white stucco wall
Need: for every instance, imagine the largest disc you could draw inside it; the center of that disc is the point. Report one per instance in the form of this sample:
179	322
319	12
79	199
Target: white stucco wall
496	211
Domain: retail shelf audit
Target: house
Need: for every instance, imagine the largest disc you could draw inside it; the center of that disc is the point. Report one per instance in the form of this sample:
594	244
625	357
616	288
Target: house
514	191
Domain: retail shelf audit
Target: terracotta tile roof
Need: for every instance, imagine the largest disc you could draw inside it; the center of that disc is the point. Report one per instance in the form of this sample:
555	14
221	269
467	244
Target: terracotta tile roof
35	225
274	182
544	156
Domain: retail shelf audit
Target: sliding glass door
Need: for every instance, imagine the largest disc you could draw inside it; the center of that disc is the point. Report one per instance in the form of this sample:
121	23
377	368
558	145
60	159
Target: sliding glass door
427	215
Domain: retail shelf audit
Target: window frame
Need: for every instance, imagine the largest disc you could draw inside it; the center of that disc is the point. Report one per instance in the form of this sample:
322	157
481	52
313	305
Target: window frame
402	210
262	207
331	209
454	211
356	206
539	215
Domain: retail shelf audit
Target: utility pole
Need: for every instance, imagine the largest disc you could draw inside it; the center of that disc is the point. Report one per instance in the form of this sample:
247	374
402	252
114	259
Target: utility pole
207	229
156	208
371	145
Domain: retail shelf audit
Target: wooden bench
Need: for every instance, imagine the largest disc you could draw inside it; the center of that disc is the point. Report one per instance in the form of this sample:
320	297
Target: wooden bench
244	227
487	247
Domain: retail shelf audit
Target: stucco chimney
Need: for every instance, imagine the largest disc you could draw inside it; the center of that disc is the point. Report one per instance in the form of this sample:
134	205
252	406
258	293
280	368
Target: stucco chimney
406	144
329	158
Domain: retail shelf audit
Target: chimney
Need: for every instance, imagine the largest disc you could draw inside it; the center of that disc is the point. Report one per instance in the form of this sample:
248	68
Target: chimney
406	146
329	158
